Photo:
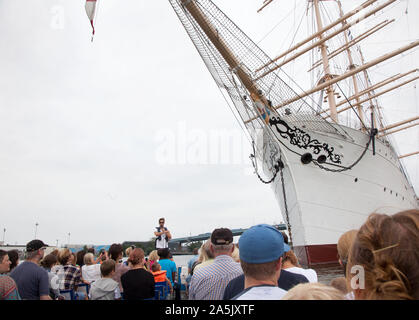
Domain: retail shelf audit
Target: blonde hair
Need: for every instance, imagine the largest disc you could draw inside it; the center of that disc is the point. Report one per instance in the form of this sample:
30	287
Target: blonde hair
387	248
128	251
313	291
205	253
345	243
153	256
63	256
236	254
88	258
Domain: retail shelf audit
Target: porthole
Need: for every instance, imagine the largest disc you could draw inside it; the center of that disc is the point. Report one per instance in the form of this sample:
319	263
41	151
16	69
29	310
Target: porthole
321	159
306	158
356	179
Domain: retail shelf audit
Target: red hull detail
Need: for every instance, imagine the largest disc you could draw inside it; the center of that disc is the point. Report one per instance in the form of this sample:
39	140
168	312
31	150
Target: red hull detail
317	254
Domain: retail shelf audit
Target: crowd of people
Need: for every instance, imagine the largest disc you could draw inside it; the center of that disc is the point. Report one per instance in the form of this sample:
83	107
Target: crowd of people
63	274
379	261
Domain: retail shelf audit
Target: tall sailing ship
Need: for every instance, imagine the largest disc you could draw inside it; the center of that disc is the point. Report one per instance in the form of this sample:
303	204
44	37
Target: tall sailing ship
330	163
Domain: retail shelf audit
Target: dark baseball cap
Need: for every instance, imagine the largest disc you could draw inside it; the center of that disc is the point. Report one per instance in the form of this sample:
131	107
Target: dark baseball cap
35	245
221	236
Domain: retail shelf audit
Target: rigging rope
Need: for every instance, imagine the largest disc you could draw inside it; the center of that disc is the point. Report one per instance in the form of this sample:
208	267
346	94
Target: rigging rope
254	163
352	107
278	168
286	206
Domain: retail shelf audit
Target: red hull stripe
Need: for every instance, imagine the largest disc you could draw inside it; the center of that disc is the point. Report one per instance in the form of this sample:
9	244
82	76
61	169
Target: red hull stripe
317	254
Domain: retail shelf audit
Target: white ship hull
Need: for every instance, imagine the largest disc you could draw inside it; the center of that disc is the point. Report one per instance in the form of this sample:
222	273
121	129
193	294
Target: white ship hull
322	205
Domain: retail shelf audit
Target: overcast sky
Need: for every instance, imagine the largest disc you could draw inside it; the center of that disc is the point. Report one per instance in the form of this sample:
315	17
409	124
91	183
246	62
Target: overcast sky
101	139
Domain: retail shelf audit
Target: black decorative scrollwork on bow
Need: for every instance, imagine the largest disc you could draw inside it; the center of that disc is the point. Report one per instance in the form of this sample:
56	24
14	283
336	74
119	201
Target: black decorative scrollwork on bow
303	140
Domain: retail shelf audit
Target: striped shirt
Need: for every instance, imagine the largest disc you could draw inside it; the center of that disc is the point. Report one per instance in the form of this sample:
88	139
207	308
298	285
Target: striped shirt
209	282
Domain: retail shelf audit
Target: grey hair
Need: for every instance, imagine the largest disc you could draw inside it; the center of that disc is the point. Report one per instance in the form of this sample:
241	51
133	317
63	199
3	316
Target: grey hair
222	247
31	254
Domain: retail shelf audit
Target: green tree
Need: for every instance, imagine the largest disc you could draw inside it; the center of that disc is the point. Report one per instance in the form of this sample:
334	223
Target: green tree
192	245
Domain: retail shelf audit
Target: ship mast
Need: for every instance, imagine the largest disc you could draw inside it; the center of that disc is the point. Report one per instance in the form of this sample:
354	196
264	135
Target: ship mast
352	66
249	82
326	65
367	81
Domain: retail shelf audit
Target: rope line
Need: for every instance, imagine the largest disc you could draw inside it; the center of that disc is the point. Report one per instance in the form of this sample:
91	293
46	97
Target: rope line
254	163
286	206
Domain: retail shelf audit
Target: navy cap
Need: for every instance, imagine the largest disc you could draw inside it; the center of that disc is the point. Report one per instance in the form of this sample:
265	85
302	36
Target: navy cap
261	244
35	245
222	236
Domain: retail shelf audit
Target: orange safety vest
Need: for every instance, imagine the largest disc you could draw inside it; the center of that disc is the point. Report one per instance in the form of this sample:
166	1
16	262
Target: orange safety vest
159	276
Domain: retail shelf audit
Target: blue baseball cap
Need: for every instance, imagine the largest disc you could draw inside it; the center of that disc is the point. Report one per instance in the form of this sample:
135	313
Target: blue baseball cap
261	244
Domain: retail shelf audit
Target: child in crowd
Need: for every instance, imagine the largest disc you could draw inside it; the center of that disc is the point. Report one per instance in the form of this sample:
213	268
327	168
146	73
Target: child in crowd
106	288
160	275
167	264
90	271
48	262
152	258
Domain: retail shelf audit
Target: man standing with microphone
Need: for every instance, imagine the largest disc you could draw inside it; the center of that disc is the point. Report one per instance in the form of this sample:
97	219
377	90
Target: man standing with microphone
163	235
